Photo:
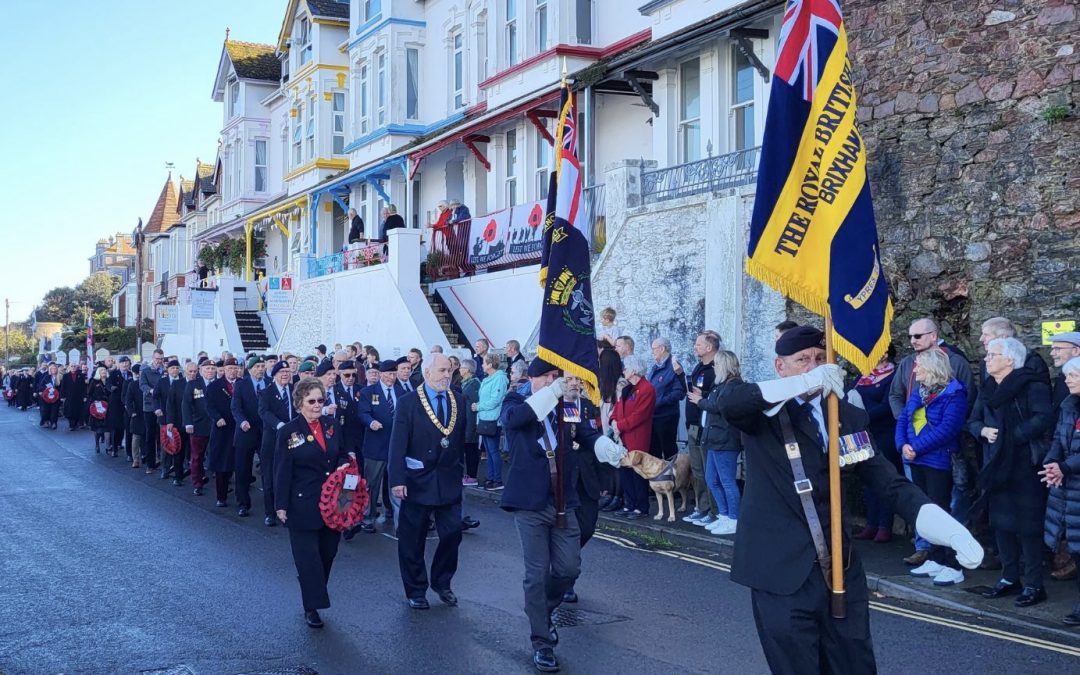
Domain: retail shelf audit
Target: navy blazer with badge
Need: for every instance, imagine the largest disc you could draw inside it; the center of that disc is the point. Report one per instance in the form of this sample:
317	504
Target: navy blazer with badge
348	416
414	436
301	467
219	451
193	407
527	485
160	396
373	407
588	464
174	400
273	411
245	408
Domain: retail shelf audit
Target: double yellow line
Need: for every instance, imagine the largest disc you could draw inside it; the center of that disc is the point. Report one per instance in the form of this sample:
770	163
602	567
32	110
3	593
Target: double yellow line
879	606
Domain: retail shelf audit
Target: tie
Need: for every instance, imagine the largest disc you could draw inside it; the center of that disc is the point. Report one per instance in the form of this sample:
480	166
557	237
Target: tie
390	401
259	387
808	410
406	386
441	398
228	387
288	400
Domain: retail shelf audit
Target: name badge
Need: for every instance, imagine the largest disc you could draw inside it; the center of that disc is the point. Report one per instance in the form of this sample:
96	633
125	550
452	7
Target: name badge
700	381
351	481
855	448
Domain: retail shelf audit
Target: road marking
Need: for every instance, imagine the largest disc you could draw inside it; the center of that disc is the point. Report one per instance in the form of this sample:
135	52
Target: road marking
879	606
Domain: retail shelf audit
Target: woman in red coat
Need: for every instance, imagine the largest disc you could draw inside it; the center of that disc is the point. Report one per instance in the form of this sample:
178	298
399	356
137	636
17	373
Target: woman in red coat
632	420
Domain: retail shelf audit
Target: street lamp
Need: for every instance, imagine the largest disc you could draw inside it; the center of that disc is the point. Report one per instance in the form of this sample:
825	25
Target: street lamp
137	235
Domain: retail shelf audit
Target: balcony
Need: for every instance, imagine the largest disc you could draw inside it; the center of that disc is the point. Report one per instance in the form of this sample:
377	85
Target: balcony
709	175
351	258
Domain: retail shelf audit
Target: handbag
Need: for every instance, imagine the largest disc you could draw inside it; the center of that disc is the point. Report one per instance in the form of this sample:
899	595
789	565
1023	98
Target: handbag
488	428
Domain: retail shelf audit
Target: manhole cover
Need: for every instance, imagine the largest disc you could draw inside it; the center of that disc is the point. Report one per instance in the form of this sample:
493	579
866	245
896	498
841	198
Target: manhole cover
565	617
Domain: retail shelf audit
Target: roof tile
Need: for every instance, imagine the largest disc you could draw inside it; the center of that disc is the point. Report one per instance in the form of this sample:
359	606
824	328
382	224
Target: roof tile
254	61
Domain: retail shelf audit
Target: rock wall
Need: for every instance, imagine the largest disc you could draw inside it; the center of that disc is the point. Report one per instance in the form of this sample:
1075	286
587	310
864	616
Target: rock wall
968	110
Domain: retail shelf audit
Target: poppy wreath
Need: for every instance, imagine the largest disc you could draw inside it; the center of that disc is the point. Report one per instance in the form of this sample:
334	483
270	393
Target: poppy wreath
50	395
8	394
170	441
340	510
98	409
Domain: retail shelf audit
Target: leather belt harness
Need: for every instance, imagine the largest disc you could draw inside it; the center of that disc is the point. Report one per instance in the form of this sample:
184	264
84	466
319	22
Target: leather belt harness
805	489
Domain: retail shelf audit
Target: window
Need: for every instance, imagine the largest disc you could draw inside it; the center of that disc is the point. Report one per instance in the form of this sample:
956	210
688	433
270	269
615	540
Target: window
511	33
543	163
260	166
311	130
511	168
226	178
297	132
541	25
234	99
412	84
459	71
372	9
380	85
303	36
338	103
742	101
583	15
236	163
690	111
365	98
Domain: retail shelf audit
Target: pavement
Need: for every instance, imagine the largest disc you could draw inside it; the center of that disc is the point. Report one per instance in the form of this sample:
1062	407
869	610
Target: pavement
104	569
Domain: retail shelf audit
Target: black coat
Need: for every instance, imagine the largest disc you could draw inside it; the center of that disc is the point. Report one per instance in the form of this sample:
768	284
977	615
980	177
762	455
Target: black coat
274	413
356	229
373	407
219	451
97	391
882	422
301	470
245	408
436	480
117	415
703	377
1063	504
73	391
174	404
193	407
133	408
718	434
528	482
773	548
470	391
348	416
1019	408
588	482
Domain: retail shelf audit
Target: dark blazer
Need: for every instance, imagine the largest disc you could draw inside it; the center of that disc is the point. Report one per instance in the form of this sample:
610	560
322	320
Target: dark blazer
588	466
174	403
356	229
160	396
73	391
373	407
273	411
116	416
773	548
414	437
528	483
392	222
193	407
300	471
219	451
133	408
348	416
245	408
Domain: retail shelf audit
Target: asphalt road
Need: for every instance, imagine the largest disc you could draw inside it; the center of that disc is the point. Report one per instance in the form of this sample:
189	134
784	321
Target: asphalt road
106	570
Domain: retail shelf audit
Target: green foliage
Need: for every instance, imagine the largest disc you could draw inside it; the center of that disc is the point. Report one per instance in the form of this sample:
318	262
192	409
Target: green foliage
57	305
1056	113
231	254
96	291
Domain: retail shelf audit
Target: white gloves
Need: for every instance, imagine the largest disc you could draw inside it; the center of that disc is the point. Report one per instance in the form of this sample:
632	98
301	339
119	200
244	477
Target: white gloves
557	387
544	401
827	379
607	450
938	527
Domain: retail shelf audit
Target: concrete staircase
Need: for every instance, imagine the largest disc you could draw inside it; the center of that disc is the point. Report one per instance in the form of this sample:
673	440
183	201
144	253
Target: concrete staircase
454	337
252	332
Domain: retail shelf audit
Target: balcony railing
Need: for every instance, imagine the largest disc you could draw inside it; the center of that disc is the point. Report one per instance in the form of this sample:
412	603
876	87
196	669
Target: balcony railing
350	259
706	175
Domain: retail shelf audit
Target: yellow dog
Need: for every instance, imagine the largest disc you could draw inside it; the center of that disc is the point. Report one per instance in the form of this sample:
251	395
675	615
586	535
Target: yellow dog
665	478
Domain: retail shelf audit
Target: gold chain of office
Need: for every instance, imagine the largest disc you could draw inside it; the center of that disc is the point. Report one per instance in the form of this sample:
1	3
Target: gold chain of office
444	430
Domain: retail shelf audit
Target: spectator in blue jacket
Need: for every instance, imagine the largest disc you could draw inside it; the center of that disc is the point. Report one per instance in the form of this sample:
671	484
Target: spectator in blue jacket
667	380
927	434
492	392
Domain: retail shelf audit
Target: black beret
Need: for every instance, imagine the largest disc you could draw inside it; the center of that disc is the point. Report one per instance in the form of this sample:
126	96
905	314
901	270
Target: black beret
540	367
271	357
278	366
221	364
135	368
799	338
324	368
173	364
388	366
400	360
205	360
321	348
346	365
124	359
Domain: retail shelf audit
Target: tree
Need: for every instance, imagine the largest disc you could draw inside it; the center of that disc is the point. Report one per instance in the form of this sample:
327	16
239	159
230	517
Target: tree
97	291
57	305
19	341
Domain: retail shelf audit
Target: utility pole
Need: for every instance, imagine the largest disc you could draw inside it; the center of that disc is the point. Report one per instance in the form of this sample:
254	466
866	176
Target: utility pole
138	290
7	329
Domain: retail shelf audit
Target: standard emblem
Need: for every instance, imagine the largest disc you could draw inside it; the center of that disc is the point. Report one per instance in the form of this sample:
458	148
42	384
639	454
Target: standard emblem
566	292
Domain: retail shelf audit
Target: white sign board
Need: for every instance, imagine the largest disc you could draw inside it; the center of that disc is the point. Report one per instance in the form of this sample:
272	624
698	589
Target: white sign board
148	351
279	295
167	319
101	354
61	358
73	356
202	304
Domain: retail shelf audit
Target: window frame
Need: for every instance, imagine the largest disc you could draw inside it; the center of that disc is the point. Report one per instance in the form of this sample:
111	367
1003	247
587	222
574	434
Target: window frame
365	99
309	129
337	122
233	87
298	137
261	172
372	9
738	108
380	90
544	157
686	153
412	83
304	37
510	148
457	70
510	32
542	21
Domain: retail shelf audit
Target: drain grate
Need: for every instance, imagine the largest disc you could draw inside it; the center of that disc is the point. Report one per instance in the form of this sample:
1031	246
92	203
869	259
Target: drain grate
566	617
174	670
291	670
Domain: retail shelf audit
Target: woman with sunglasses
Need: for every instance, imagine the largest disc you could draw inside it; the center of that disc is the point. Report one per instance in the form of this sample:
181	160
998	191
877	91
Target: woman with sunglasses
308	449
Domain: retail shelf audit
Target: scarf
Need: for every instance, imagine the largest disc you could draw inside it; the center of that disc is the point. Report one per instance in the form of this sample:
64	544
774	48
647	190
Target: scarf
876	375
1001	402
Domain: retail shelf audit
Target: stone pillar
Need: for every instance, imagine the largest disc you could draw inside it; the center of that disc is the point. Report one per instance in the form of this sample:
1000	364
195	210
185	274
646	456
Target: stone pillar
405	250
622	191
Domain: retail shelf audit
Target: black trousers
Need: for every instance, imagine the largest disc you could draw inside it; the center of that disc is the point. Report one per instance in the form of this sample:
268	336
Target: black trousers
221	485
313	553
151	440
1021	557
472	458
665	432
937	484
799	637
412	538
50	413
245	461
266	478
587	513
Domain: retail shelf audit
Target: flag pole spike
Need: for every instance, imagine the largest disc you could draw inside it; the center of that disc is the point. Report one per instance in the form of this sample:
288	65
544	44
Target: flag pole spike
564	70
838	599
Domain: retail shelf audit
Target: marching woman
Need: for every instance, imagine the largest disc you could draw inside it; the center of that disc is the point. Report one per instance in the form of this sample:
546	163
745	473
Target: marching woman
133	401
49	397
24	390
116	417
73	392
96	392
308	449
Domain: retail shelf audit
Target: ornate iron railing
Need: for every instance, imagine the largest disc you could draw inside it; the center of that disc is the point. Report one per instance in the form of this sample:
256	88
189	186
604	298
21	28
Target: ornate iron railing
349	259
706	175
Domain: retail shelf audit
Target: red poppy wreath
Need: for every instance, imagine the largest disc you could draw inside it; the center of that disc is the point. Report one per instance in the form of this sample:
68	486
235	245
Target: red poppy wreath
342	509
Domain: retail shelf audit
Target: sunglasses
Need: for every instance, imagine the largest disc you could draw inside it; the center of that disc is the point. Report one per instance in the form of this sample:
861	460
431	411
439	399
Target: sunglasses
314	401
348	374
919	336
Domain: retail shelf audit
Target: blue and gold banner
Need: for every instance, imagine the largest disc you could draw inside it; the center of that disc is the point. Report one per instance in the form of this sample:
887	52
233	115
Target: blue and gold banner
812	235
567	337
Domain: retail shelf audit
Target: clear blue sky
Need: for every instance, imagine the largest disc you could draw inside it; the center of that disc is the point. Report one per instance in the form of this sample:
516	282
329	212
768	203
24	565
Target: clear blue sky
98	97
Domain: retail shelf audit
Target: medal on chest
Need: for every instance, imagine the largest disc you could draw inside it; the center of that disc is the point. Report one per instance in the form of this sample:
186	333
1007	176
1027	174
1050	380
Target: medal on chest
855	448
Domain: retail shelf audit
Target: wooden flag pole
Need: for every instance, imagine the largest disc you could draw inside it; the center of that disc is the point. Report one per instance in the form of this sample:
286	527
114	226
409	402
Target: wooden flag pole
838	600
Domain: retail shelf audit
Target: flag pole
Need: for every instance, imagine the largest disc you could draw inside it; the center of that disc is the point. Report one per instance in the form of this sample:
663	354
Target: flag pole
838	598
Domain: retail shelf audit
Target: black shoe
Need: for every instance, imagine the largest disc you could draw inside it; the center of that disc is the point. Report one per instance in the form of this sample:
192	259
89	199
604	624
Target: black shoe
198	492
1072	618
220	504
349	534
1001	589
419	603
269	521
177	482
569	596
604	501
367	527
545	661
468	523
313	619
448	597
634	515
243	512
614	505
251	481
1031	596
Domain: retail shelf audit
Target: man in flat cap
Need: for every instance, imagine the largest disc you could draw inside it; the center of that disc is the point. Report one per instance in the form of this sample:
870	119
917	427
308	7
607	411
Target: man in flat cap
247	436
781	549
426	465
375	410
540	492
220	456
